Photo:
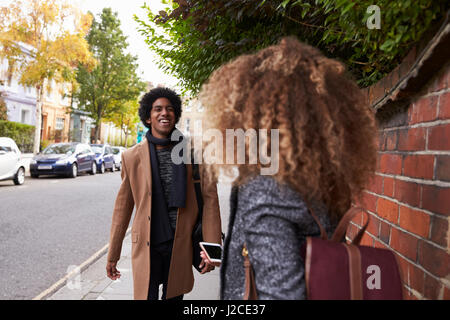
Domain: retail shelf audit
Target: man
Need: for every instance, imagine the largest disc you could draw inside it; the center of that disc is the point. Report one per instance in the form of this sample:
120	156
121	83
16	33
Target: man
166	206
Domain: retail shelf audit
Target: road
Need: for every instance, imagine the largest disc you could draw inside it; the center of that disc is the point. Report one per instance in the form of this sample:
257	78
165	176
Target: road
48	225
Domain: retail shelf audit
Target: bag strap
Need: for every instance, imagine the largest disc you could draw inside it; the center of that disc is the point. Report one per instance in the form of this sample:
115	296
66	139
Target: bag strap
323	233
341	229
250	283
197	185
355	275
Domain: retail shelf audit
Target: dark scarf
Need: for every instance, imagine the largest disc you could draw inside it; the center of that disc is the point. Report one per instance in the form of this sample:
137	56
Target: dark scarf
161	230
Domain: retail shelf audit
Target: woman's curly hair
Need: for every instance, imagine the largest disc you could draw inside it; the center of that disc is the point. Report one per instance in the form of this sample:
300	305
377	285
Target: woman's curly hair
327	137
147	100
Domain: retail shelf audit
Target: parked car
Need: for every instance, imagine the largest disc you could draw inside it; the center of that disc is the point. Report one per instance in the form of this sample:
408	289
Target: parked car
66	159
104	157
12	166
117	151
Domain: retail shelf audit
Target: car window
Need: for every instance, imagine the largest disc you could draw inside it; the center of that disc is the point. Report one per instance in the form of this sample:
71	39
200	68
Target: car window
5	148
59	149
115	150
97	149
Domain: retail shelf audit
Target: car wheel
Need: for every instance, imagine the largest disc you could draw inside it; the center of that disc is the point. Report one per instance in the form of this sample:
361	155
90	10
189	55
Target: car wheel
93	168
102	168
73	171
19	178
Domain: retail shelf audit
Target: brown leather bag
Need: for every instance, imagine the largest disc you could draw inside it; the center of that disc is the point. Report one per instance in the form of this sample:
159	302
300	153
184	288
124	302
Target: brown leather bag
335	270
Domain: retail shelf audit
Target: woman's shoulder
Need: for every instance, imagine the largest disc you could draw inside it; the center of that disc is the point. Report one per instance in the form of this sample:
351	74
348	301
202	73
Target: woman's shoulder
268	189
264	196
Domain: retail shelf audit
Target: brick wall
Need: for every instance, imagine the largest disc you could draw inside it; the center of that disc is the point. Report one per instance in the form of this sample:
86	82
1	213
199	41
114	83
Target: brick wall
408	199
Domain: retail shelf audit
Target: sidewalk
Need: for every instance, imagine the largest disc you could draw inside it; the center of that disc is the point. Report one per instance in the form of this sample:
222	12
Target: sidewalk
90	282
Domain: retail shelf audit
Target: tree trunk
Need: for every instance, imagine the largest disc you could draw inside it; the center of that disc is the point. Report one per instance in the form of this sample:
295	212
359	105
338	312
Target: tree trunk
98	126
121	128
37	130
97	132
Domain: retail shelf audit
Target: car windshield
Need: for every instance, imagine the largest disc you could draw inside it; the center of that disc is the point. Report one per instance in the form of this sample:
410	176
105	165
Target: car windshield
97	149
115	150
59	149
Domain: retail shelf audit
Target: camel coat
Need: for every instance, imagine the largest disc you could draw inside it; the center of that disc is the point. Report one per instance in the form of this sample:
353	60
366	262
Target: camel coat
136	190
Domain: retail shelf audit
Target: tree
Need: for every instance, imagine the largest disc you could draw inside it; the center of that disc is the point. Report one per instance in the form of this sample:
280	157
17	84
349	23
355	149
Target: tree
55	31
3	107
193	38
126	118
113	81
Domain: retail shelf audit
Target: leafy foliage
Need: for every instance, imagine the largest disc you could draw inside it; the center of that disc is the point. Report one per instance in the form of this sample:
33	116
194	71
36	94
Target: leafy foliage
113	82
3	108
22	134
126	118
194	37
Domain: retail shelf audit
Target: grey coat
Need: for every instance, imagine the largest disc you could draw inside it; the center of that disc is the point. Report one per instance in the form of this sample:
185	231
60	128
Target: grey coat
274	222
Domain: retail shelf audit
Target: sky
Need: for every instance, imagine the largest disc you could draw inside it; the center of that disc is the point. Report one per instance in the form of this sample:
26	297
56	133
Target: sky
148	70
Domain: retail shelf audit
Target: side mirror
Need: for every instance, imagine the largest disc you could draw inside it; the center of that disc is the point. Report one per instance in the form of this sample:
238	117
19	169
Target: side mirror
2	152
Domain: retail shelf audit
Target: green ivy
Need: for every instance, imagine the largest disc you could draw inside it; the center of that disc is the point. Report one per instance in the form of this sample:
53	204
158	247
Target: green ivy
193	38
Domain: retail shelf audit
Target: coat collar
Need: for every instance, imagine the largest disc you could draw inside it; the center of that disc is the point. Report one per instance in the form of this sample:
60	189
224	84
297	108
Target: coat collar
144	158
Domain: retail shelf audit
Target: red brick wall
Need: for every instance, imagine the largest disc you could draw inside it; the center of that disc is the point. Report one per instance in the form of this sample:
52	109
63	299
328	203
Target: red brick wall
408	199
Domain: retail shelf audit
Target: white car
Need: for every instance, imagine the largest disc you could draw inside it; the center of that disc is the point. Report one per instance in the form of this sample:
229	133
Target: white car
117	152
12	167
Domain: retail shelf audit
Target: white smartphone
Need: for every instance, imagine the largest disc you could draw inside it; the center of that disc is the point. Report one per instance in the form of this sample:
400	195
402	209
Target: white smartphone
213	251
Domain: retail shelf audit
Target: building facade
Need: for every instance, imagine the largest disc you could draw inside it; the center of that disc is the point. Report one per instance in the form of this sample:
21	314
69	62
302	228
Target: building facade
55	122
20	100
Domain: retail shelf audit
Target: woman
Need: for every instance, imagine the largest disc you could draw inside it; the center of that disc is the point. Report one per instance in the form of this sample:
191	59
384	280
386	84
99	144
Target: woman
327	152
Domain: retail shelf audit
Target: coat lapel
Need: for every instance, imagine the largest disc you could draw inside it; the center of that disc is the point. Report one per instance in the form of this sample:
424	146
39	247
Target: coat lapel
145	162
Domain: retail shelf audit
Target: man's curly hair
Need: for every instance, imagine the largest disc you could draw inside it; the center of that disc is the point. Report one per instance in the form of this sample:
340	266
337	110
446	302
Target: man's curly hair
327	133
154	94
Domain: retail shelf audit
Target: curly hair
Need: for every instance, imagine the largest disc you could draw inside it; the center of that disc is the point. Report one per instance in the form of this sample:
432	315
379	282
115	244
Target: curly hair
146	103
327	133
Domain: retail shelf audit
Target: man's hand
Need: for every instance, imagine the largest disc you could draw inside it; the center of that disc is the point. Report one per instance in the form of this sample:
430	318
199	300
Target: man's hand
207	265
111	271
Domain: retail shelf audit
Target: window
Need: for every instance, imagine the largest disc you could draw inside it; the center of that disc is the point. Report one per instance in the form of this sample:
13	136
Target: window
59	124
200	107
9	79
187	123
29	90
188	107
25	118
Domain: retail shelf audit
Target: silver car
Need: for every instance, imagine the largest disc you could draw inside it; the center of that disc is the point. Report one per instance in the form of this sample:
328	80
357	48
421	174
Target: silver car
117	151
12	167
